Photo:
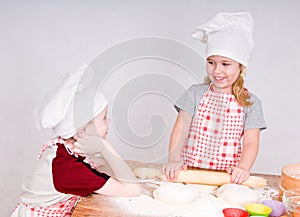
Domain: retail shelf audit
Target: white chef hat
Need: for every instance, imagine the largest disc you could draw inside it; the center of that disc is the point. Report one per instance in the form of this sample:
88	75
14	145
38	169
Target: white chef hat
66	107
229	35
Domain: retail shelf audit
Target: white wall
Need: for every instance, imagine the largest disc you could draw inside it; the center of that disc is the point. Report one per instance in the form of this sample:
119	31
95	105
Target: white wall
41	41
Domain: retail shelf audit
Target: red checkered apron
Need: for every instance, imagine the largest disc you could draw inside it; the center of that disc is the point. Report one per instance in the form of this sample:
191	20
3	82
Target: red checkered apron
214	140
60	209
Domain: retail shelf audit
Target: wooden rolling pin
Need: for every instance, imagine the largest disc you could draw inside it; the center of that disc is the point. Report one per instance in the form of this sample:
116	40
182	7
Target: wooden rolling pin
212	177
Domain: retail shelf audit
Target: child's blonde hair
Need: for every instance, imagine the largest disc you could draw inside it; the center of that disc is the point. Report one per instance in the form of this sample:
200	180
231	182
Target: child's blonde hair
241	94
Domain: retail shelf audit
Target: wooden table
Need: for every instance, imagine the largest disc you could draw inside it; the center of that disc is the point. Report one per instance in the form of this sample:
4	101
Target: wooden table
97	205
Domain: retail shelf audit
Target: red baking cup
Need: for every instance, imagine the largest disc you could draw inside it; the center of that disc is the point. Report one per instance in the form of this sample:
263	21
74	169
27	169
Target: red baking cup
234	212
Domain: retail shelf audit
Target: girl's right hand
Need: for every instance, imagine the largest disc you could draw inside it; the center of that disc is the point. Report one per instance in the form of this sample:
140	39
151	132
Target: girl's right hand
171	170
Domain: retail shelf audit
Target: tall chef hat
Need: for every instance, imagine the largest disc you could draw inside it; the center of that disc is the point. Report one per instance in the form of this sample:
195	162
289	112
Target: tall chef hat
229	35
70	105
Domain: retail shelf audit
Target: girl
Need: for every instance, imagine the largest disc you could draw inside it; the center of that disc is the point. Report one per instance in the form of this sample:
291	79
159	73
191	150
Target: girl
63	172
219	122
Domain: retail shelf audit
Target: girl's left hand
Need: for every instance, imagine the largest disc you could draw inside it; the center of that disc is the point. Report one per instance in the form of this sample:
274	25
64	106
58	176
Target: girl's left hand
238	175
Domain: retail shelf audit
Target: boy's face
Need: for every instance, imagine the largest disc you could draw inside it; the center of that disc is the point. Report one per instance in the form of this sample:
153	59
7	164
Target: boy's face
101	123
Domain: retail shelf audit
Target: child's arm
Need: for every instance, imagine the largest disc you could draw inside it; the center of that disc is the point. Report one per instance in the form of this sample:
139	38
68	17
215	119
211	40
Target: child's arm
249	153
123	181
96	161
118	166
178	136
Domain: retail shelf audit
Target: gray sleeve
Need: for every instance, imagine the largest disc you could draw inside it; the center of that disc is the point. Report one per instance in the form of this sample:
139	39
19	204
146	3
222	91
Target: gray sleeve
190	100
254	116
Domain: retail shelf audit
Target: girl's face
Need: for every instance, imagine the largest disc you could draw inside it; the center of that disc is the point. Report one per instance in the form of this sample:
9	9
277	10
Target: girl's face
222	72
101	123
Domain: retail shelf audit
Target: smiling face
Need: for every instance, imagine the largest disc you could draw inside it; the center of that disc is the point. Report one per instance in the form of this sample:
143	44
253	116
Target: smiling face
222	72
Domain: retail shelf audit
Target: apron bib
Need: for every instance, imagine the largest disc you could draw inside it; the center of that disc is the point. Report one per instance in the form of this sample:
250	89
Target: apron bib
214	140
59	209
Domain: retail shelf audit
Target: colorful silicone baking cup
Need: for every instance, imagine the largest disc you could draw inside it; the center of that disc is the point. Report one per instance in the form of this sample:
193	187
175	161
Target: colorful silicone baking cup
234	212
277	207
258	209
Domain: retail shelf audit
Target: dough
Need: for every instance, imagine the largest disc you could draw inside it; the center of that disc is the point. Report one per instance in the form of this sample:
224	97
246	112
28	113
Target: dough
175	193
203	189
146	172
238	195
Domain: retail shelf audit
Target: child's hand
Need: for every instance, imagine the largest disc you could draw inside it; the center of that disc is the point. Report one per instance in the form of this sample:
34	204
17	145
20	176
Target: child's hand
238	175
89	144
171	170
89	129
95	161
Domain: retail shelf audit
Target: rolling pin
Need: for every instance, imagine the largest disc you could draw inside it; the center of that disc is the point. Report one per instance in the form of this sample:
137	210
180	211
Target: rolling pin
212	177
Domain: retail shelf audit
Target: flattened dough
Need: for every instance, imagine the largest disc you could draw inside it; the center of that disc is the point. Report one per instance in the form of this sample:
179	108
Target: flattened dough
175	193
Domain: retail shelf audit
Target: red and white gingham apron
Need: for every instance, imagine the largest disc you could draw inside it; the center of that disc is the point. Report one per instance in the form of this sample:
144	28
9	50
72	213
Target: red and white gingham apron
214	140
62	208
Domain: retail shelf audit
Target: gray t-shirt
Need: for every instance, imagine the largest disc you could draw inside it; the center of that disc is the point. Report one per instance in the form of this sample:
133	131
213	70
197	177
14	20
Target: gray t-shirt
190	100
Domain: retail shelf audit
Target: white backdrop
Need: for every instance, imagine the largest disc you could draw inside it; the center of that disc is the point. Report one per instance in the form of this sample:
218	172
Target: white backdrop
41	41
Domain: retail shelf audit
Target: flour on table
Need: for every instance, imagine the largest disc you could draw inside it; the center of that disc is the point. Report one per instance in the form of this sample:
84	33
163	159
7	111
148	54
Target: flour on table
208	206
205	204
175	194
202	202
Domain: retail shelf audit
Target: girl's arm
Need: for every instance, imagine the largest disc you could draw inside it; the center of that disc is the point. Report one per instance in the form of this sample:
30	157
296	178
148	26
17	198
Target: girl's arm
178	136
249	153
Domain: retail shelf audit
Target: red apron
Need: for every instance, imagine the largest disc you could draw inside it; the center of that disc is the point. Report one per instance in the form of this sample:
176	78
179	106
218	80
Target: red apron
214	140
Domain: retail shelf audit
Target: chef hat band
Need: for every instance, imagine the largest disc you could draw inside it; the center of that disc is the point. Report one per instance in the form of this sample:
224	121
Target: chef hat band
229	35
70	105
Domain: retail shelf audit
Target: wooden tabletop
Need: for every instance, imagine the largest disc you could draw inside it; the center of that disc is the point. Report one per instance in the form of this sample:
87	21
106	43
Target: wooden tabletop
96	205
